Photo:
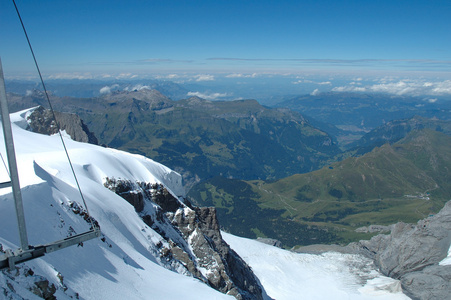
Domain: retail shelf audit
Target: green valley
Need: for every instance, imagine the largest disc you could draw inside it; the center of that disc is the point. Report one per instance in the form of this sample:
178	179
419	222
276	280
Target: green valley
405	181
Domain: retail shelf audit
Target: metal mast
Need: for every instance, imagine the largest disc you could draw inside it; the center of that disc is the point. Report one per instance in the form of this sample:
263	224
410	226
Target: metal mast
14	174
27	252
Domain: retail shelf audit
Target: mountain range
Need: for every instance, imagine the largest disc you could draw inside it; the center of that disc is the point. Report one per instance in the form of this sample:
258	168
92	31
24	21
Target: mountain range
348	116
218	144
200	138
406	180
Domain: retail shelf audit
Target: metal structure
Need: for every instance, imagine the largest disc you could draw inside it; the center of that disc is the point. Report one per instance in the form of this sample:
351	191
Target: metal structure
26	252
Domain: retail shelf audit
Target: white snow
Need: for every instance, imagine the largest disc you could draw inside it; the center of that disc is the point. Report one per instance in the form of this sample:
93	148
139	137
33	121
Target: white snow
288	275
446	260
125	266
129	268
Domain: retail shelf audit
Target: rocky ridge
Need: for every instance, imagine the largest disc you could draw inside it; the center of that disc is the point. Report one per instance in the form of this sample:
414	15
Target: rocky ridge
194	243
412	253
42	121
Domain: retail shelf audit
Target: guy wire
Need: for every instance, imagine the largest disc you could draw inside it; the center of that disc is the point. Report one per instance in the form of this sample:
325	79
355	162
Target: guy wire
54	116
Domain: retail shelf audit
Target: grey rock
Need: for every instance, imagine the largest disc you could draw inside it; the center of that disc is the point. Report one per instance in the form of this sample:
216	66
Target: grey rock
42	121
410	247
434	282
272	242
228	273
322	248
412	253
374	228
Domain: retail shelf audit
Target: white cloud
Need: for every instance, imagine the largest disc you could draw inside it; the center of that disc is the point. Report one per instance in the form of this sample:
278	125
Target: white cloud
212	96
312	82
402	87
139	87
168	76
239	75
71	76
124	75
443	87
315	92
28	93
349	89
107	89
360	89
235	75
204	77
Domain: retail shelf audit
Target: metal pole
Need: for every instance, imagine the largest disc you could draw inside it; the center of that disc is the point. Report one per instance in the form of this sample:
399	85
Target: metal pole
9	143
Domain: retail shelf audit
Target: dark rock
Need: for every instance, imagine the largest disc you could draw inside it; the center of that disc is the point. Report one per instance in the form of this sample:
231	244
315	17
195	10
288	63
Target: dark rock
164	199
45	290
272	242
193	238
37	284
42	121
228	273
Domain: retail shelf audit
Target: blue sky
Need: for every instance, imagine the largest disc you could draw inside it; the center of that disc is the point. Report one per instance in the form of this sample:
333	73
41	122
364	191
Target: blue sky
137	38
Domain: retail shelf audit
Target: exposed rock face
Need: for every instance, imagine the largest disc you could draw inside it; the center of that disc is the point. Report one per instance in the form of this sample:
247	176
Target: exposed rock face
412	253
194	239
227	272
42	121
272	242
433	282
12	282
374	228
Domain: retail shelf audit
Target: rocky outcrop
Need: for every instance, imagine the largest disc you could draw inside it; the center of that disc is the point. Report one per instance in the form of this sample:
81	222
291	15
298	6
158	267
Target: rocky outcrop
412	253
226	271
272	242
42	121
194	241
433	282
13	283
374	228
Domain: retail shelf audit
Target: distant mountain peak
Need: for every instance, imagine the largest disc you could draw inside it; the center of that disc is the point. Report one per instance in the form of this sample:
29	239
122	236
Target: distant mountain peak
147	95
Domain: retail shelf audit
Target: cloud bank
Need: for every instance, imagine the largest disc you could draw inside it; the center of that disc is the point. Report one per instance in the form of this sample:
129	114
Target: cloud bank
312	82
204	77
240	75
402	87
212	96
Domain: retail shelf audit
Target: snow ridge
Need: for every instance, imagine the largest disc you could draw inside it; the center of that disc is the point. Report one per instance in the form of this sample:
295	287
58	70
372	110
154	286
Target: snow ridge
125	262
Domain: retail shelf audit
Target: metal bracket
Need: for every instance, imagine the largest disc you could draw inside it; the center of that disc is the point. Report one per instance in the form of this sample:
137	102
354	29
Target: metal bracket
11	258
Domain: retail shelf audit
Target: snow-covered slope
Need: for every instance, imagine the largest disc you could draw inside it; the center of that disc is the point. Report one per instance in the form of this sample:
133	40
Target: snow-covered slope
127	262
124	264
287	275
